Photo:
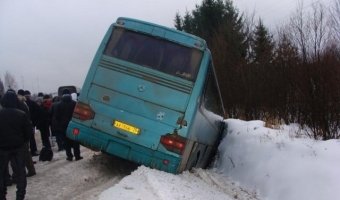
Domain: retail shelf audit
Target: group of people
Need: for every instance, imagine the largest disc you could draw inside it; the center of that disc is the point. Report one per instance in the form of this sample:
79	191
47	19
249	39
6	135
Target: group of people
19	116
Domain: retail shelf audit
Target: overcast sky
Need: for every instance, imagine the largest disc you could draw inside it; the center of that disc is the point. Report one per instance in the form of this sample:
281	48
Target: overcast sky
48	43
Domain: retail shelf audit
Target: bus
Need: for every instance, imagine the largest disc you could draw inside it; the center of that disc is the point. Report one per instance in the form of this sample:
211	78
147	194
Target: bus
150	96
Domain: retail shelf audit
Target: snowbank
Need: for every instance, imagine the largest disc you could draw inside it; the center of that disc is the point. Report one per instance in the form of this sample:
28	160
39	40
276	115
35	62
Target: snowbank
278	165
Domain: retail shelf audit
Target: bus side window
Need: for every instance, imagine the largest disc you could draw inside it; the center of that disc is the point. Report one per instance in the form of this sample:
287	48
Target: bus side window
211	97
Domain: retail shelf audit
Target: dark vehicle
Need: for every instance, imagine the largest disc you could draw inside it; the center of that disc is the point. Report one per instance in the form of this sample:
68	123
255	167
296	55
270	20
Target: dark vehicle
71	88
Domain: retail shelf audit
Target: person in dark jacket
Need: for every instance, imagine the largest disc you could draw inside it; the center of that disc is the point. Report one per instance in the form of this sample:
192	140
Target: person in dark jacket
62	115
54	131
34	113
15	131
44	121
28	157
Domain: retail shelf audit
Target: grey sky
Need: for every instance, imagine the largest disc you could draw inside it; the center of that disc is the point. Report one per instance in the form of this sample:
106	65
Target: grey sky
45	44
274	12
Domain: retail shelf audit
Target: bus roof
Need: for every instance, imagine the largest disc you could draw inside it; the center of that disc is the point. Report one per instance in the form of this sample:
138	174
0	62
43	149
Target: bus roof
162	31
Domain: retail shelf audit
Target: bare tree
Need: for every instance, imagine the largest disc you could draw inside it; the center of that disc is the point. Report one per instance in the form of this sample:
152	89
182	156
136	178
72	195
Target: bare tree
300	30
335	19
319	30
2	88
10	82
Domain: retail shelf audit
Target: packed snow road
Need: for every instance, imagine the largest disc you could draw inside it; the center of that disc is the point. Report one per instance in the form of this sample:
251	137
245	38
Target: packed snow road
83	179
100	176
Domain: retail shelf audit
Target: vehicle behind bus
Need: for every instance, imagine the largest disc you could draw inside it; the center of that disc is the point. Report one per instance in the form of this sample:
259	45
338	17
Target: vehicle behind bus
70	88
151	97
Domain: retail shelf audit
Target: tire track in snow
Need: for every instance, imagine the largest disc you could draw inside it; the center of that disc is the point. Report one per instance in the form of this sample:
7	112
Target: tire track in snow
225	184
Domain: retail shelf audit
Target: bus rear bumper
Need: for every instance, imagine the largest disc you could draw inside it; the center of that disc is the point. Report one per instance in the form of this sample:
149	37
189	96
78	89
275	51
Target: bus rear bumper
101	141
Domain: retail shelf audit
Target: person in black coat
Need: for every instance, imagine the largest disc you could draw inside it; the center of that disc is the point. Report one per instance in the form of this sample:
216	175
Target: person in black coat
34	113
15	132
44	121
54	131
28	157
62	115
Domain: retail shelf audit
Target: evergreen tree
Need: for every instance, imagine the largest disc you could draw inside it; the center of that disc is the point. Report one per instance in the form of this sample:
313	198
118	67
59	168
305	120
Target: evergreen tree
188	23
207	18
262	45
178	22
219	23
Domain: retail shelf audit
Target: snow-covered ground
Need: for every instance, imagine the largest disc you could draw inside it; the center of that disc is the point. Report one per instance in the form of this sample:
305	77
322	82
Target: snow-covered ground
254	162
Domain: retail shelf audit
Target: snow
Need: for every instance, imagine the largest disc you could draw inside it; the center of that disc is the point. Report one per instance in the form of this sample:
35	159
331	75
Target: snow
277	164
254	162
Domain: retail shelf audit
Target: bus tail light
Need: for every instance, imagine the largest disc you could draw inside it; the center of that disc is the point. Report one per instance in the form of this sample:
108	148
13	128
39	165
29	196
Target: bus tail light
173	142
75	131
83	111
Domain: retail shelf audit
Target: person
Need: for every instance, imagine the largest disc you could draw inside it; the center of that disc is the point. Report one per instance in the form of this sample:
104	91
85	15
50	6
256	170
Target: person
28	157
63	114
34	113
44	121
15	131
54	131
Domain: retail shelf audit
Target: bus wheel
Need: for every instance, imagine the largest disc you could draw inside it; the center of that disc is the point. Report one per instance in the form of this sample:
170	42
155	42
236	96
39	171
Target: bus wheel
193	164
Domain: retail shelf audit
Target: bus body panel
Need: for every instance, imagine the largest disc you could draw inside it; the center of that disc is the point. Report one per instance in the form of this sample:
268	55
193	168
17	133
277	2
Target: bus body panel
98	140
150	129
143	89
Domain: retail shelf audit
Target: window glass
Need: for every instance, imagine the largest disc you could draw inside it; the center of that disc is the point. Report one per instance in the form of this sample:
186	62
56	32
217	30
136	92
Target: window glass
155	53
212	100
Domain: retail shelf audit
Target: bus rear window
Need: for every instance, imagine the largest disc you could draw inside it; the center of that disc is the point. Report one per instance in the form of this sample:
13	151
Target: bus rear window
155	53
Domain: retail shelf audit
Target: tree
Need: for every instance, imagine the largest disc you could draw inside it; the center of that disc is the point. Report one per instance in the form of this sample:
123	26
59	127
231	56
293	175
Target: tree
309	29
286	63
262	44
10	82
219	23
2	88
188	23
335	20
178	22
319	30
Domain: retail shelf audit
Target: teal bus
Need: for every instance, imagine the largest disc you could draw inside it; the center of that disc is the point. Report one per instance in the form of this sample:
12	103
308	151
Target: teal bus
151	97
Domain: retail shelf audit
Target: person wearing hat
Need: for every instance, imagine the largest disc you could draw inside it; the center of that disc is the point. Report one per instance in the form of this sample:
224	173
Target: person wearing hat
34	113
62	116
44	121
15	131
54	131
28	157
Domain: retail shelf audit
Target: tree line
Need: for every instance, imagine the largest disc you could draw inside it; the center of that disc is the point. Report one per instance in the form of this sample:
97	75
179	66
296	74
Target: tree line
9	83
290	76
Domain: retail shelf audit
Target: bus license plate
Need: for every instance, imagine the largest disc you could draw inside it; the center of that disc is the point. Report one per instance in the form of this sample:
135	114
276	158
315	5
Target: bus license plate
126	127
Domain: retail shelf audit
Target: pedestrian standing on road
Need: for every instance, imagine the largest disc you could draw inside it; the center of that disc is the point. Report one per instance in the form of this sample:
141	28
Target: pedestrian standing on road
15	131
54	131
63	114
44	121
34	113
28	157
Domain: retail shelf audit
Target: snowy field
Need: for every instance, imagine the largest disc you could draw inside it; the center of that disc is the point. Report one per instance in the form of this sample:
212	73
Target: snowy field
254	162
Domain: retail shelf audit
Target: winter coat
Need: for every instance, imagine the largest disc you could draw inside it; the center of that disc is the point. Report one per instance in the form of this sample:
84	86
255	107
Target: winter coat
23	106
52	116
34	110
44	119
63	113
15	127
